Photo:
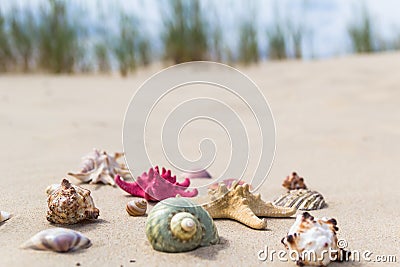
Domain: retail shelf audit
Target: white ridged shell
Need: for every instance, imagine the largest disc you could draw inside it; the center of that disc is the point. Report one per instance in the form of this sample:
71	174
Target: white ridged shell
313	235
58	240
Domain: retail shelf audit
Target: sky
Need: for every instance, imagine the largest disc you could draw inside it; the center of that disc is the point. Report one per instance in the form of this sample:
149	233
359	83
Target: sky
325	21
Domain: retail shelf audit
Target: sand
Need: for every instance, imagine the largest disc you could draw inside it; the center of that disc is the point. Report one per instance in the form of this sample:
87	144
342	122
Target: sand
337	125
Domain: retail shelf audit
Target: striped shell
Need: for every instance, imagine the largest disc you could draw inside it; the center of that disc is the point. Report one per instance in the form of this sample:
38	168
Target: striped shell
4	216
136	207
302	199
178	225
58	240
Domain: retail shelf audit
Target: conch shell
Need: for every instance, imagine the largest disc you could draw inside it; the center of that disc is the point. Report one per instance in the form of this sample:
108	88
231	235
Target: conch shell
178	225
4	216
314	241
238	203
156	186
58	240
136	207
100	167
69	204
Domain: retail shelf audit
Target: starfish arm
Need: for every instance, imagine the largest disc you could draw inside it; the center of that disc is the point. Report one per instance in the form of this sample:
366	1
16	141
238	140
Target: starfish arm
185	183
267	209
246	216
131	188
184	193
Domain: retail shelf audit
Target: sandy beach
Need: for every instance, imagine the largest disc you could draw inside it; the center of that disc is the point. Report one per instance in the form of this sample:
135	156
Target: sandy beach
337	124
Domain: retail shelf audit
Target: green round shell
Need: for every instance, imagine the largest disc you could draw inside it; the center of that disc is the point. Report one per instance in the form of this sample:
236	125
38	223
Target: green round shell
178	225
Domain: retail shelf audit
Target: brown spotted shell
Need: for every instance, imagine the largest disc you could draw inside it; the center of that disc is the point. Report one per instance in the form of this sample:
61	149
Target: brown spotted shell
69	204
136	207
294	181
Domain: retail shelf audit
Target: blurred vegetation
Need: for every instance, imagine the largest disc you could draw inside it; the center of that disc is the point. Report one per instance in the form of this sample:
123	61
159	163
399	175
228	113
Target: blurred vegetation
217	46
23	33
59	42
125	48
296	33
185	37
57	37
6	56
361	33
276	41
102	57
248	44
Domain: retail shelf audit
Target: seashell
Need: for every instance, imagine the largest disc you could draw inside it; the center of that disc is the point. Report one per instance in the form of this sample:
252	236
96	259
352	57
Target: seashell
196	174
51	188
4	216
302	199
178	225
316	236
294	181
100	167
136	207
58	240
156	186
228	182
69	204
238	203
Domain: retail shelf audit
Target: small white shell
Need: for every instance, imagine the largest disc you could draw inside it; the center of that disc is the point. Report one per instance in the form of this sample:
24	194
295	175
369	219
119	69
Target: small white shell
316	236
136	207
58	240
4	216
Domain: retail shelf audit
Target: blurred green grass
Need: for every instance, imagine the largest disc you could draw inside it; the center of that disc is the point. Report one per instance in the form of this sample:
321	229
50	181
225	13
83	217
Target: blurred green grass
55	39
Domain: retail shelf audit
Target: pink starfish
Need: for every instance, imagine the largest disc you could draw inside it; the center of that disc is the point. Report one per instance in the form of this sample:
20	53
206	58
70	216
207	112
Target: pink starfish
154	186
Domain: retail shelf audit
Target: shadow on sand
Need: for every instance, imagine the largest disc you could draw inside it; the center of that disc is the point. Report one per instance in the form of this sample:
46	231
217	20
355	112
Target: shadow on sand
210	252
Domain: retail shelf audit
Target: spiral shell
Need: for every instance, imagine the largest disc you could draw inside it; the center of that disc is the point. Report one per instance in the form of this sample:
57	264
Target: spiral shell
178	225
136	207
58	240
69	204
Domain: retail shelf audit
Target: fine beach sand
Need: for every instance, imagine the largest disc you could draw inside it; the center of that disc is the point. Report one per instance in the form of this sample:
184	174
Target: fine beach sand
337	125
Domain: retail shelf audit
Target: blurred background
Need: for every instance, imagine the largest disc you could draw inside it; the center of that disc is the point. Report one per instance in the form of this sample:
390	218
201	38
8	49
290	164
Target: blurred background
93	36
